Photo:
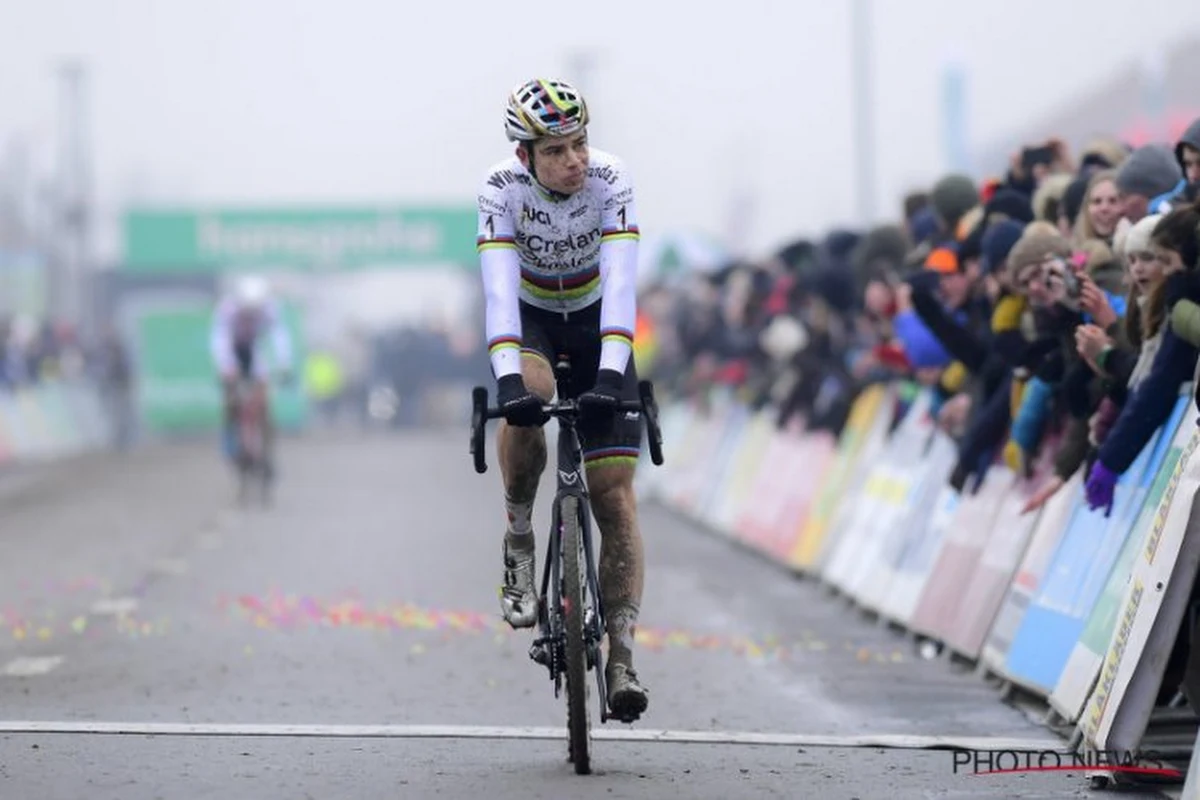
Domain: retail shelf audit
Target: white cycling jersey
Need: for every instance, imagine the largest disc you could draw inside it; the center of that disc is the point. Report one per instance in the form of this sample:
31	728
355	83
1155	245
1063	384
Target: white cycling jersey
232	325
558	254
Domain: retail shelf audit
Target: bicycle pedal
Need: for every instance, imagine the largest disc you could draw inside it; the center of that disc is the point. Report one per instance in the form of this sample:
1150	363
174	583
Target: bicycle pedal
540	654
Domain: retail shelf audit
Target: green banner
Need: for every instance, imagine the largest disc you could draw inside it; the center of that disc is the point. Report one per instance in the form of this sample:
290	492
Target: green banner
178	387
307	240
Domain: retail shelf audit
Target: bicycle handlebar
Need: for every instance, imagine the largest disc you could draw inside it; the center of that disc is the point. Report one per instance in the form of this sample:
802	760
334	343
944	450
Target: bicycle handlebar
481	413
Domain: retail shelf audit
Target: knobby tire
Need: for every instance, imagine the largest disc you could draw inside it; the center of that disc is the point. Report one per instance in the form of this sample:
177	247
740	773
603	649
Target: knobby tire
575	606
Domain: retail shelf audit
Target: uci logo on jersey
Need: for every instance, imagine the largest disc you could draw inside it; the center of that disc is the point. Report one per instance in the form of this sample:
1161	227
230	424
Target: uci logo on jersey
535	215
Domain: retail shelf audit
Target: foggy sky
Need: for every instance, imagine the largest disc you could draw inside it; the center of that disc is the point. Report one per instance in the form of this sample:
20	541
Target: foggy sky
370	101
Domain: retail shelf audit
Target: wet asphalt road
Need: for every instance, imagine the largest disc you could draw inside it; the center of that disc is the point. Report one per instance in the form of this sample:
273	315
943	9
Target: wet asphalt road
134	592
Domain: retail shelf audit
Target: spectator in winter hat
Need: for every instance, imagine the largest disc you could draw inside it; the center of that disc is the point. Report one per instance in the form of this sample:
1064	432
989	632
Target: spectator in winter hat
953	196
1008	204
1028	258
1102	154
880	256
1187	152
914	202
998	242
1071	203
1149	172
1048	196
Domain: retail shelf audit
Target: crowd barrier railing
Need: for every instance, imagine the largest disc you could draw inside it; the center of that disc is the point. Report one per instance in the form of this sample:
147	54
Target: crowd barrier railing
51	420
1071	605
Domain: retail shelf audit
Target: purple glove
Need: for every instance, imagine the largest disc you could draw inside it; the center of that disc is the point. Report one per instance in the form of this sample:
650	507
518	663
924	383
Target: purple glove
1099	488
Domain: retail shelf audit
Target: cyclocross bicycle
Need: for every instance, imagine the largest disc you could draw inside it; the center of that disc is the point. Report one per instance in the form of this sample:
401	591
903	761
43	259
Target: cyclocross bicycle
570	613
252	458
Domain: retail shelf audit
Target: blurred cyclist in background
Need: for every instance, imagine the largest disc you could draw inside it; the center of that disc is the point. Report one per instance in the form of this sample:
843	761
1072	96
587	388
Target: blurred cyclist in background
241	319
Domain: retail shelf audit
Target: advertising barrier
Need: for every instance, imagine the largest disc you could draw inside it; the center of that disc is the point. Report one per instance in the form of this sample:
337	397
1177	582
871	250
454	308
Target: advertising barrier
1073	605
49	421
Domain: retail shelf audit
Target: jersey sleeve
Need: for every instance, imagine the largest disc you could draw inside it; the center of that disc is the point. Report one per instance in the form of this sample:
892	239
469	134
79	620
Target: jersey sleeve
618	273
220	339
281	337
501	271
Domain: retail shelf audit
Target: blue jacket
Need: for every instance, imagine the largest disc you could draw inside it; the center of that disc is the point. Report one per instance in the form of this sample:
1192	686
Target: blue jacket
1150	404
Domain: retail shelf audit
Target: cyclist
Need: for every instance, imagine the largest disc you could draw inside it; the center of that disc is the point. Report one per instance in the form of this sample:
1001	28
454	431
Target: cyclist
557	242
240	320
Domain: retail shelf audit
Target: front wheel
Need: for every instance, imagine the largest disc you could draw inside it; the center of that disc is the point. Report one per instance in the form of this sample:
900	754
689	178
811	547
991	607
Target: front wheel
574	608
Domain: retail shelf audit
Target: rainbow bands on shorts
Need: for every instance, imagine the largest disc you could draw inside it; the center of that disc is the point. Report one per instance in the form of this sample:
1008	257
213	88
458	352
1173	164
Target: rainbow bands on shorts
617	234
615	334
503	342
611	457
499	243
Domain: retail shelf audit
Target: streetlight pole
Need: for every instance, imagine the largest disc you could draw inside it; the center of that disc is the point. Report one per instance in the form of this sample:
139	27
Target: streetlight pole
864	110
73	209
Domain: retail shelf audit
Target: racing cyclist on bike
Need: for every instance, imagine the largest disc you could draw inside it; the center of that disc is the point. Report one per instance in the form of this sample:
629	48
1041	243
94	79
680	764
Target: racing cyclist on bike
249	313
557	242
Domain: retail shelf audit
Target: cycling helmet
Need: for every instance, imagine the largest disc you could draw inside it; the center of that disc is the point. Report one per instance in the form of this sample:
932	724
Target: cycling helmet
543	107
252	292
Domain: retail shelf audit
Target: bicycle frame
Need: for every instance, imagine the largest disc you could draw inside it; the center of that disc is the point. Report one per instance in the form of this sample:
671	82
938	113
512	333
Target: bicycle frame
250	414
570	481
549	647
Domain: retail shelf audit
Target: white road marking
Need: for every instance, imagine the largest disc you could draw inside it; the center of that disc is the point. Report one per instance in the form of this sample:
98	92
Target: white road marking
895	741
115	605
29	666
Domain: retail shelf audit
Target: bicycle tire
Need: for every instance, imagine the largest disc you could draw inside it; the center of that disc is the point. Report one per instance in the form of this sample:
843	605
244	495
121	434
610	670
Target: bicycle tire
574	608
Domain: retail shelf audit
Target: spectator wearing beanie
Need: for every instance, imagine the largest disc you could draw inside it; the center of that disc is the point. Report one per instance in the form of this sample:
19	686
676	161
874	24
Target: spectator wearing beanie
1071	203
952	197
946	297
1008	204
1116	354
1034	264
990	403
1102	154
1187	153
1149	172
1086	389
1048	196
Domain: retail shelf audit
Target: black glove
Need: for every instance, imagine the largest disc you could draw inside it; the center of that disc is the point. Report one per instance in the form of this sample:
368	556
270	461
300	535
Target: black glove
605	396
521	407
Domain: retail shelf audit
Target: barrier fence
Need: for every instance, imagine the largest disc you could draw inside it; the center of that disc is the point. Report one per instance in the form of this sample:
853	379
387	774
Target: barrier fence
51	421
1075	607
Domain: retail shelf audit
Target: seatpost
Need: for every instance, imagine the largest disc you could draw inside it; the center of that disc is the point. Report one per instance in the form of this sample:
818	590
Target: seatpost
562	375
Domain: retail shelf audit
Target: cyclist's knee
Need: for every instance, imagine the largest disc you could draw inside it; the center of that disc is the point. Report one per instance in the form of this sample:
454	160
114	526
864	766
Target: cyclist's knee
538	375
611	485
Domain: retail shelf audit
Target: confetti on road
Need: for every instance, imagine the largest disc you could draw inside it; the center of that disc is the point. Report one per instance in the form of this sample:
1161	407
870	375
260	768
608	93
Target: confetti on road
290	612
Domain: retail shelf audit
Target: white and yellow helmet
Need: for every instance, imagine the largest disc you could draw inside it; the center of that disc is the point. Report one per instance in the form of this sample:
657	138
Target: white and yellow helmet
543	107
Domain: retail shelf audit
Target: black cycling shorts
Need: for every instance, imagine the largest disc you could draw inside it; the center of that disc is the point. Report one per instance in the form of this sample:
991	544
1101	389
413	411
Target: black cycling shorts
243	353
547	335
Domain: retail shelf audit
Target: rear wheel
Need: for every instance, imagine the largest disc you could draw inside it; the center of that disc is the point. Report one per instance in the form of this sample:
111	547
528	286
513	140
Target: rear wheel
574	607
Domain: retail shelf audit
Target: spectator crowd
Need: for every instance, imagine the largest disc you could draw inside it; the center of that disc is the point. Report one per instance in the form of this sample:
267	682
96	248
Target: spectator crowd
1054	312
